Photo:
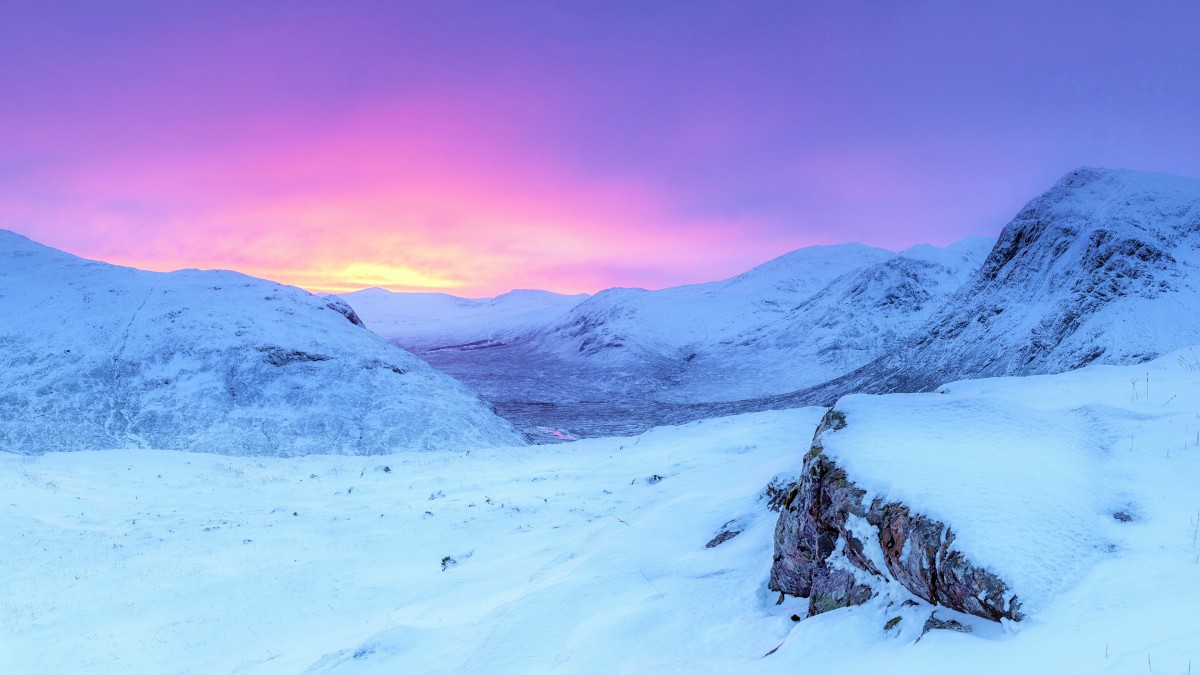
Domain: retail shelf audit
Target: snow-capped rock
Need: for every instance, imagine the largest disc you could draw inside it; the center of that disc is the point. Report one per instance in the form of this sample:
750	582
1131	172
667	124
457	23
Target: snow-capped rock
95	356
837	547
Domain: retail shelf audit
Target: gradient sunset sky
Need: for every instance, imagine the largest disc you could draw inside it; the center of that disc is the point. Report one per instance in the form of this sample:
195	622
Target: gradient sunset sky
476	147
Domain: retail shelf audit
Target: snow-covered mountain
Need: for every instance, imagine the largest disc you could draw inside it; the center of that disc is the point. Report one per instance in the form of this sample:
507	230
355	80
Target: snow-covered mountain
96	356
851	321
1102	268
676	322
432	320
627	359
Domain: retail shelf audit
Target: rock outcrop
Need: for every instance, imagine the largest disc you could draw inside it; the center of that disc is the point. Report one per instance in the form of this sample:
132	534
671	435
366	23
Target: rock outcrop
838	549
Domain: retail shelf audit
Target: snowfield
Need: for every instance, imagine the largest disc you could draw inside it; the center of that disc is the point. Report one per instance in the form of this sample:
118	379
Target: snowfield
1081	487
158	562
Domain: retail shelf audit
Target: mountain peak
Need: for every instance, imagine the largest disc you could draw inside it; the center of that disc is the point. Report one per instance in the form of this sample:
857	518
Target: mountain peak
1100	268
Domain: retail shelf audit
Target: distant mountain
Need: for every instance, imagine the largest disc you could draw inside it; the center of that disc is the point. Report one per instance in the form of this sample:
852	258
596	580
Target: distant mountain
96	356
676	322
1102	268
848	323
627	359
431	320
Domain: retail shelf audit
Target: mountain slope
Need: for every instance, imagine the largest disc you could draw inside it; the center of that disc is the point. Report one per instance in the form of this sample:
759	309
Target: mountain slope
628	359
1102	268
98	356
678	321
851	321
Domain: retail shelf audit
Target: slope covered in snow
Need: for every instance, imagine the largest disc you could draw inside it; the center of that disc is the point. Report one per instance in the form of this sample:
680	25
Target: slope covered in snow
594	557
1102	268
97	356
627	359
623	324
851	321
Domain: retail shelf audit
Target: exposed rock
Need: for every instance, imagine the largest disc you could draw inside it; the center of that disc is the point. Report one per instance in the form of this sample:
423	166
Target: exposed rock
934	623
835	588
728	531
776	492
341	307
810	525
819	556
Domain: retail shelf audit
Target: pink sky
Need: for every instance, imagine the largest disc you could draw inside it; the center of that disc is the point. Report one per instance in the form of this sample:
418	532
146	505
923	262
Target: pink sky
475	148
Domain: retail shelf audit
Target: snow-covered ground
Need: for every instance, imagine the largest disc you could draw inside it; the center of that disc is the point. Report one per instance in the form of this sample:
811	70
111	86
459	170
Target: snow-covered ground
159	562
592	557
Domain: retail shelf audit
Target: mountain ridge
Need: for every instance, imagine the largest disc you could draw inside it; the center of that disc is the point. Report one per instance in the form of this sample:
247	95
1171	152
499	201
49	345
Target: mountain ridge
1112	259
626	359
98	356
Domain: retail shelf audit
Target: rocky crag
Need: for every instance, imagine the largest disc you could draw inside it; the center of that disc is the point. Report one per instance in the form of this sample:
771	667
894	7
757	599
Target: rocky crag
837	548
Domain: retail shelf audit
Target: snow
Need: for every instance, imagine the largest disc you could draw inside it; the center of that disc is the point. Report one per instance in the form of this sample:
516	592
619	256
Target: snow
153	561
96	356
577	558
1006	477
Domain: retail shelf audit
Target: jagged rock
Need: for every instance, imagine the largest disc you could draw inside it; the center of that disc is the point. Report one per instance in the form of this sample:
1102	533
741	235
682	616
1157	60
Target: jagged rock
836	588
776	492
810	525
819	556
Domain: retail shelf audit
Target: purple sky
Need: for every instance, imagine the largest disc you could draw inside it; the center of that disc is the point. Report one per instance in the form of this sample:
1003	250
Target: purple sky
476	147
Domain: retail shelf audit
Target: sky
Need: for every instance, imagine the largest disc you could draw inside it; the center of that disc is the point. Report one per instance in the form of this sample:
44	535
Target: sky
477	147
